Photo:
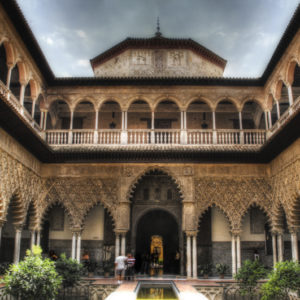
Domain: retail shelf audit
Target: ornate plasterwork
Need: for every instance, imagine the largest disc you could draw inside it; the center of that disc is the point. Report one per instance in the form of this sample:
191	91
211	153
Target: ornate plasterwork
286	193
233	196
17	181
79	195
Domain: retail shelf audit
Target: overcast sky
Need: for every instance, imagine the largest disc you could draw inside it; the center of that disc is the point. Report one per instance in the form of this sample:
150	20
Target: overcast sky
244	32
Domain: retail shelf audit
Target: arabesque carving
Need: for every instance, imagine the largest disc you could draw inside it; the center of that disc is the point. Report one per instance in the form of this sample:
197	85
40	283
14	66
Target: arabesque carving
233	196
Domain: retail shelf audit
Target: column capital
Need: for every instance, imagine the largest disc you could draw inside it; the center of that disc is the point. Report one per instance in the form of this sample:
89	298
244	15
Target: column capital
294	230
236	232
191	233
121	232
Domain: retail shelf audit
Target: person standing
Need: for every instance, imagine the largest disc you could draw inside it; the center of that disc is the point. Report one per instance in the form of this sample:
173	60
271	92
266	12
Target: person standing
130	267
120	267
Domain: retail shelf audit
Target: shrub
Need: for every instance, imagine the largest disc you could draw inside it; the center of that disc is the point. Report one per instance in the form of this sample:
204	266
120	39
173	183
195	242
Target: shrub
248	276
283	279
69	269
222	268
34	278
4	267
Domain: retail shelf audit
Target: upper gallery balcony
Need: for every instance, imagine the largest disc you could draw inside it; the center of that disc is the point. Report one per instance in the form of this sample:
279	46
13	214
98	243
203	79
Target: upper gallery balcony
197	126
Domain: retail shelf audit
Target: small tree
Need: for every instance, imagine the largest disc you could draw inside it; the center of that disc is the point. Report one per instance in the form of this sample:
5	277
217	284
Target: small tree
34	278
69	269
248	276
283	279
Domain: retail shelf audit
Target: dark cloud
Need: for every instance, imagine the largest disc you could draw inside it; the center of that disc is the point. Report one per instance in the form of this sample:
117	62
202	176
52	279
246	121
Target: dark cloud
244	32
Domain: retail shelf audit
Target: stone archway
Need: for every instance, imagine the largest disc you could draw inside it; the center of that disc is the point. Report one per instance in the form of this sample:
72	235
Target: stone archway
162	223
156	191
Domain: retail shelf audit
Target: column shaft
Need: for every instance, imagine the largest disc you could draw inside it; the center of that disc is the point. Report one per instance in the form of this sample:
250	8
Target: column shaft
96	120
188	257
280	247
290	94
117	246
294	241
123	245
274	249
194	256
184	120
8	76
38	238
233	255
45	120
73	245
278	110
214	120
238	252
32	239
22	93
33	109
71	120
240	120
78	247
266	120
17	245
126	119
270	119
152	119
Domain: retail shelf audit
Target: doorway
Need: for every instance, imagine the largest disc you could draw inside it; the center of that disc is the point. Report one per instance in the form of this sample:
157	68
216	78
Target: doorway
161	223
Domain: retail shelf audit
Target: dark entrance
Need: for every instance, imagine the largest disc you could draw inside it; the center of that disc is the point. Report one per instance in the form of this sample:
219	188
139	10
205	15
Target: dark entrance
159	222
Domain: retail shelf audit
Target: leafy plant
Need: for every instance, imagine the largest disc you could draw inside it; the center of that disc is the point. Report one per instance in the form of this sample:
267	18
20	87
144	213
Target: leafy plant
4	267
283	279
221	268
69	269
206	269
34	278
248	276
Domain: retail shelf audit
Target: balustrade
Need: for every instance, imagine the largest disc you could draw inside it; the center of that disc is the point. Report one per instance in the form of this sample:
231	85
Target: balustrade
109	137
200	137
153	136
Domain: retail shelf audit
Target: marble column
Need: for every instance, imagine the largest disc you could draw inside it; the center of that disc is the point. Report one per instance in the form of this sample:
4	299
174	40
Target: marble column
33	108
270	119
17	249
195	256
42	119
38	238
290	94
45	120
280	246
238	252
278	110
274	246
266	120
294	240
73	251
233	254
117	245
78	247
123	244
22	93
9	69
32	238
188	257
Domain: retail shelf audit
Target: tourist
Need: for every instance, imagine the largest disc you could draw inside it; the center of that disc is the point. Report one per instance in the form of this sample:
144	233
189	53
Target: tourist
130	267
120	263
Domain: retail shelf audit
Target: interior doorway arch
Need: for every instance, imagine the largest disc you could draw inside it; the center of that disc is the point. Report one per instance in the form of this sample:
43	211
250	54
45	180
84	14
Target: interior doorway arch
156	209
159	222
